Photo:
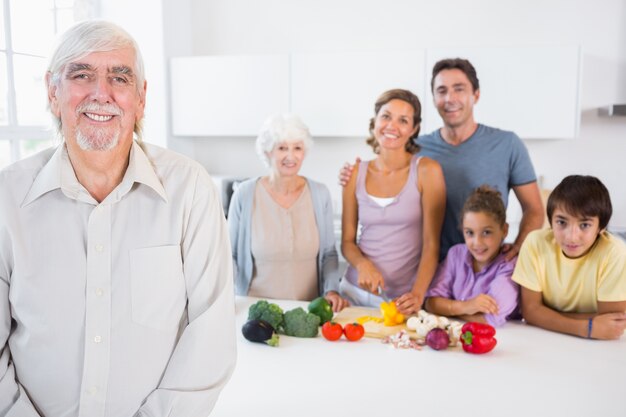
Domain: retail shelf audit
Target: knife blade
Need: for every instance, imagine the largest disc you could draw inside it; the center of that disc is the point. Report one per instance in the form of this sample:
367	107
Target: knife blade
383	294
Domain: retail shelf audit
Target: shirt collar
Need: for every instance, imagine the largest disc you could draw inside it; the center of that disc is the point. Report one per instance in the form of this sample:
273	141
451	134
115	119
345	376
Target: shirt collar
59	173
49	177
140	170
469	261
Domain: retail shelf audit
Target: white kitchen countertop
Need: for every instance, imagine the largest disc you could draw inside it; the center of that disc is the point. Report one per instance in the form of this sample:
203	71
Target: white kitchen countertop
531	372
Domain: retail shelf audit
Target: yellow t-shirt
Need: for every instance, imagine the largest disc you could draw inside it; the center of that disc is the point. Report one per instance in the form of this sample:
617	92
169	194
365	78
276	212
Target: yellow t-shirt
572	285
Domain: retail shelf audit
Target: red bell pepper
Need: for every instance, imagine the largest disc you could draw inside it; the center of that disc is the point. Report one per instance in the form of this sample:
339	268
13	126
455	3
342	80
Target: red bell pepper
478	337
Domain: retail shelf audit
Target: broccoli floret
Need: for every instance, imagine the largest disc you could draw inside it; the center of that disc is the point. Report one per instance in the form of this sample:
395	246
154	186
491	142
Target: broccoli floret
299	323
270	312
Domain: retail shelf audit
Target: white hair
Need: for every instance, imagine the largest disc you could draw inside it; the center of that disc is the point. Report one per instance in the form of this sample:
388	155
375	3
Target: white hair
88	37
281	128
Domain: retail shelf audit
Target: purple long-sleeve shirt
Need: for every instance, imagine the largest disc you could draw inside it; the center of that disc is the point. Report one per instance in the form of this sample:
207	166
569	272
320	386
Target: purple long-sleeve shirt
455	279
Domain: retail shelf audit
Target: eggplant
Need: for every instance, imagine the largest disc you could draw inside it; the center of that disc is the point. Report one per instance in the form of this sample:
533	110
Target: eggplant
260	331
438	339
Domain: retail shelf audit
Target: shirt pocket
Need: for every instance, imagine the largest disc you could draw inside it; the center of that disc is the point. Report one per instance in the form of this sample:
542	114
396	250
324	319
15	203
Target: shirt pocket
157	286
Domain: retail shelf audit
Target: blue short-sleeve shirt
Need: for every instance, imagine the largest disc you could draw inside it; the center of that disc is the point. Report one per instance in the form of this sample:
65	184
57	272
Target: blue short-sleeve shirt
490	156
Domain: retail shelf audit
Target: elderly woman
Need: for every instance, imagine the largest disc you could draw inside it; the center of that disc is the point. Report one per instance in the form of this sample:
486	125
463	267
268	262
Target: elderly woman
399	200
281	224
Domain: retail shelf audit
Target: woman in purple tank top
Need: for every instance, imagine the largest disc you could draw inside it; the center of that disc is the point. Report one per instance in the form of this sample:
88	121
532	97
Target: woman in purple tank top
398	200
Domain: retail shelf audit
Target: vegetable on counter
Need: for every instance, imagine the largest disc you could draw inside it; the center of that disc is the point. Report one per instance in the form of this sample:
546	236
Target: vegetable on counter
321	308
270	312
260	331
437	339
391	315
478	337
402	340
332	331
365	319
299	323
354	331
424	322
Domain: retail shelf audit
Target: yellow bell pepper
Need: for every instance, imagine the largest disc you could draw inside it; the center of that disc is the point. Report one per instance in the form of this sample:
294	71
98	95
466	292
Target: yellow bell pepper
365	319
391	316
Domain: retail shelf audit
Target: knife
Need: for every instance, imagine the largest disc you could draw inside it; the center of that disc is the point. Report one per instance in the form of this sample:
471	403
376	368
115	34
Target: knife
383	294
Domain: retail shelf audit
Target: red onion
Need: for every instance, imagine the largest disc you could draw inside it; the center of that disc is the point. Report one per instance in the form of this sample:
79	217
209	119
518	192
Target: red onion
437	339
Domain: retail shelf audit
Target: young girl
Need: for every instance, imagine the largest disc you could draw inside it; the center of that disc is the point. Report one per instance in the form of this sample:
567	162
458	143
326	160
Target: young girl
474	281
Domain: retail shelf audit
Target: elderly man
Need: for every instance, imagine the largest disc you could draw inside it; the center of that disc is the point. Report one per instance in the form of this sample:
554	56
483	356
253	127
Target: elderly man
473	154
116	294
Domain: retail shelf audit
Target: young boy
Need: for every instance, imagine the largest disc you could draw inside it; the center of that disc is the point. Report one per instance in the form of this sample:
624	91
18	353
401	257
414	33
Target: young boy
573	275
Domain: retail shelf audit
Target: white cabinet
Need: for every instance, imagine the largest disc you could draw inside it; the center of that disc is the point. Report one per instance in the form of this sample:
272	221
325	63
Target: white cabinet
227	95
334	93
533	91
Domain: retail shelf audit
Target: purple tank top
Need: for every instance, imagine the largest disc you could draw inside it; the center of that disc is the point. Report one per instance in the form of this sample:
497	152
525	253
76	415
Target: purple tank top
391	236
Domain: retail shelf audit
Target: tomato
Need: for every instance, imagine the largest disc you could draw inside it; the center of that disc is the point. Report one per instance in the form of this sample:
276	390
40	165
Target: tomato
332	331
353	331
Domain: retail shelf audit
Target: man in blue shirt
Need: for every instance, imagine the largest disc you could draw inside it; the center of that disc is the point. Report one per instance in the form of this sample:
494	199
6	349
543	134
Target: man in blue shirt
472	154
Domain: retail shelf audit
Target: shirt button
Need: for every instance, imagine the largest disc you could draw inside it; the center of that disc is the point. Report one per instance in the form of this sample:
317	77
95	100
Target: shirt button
99	247
99	207
92	391
97	339
99	292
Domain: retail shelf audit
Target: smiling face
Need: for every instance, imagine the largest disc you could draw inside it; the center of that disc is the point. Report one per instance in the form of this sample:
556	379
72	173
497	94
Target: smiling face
483	237
286	158
575	235
454	97
98	100
393	125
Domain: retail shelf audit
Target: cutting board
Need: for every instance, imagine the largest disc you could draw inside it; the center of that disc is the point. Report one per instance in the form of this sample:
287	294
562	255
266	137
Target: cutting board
372	329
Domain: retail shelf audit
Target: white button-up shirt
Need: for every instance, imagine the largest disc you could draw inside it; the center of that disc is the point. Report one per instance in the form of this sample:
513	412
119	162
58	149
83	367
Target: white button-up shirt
118	308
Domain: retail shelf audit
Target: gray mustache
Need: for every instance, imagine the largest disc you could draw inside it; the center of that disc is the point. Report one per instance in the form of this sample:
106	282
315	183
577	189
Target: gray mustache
92	107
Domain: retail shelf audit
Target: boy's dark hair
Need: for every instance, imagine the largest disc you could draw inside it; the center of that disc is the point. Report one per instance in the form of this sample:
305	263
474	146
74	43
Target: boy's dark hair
486	199
456	63
583	196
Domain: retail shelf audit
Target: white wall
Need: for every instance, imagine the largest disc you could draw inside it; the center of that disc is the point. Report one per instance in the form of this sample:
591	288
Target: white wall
283	26
143	19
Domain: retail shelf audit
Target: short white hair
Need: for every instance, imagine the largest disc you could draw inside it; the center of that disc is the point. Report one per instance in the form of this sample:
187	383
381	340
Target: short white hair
88	37
281	128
